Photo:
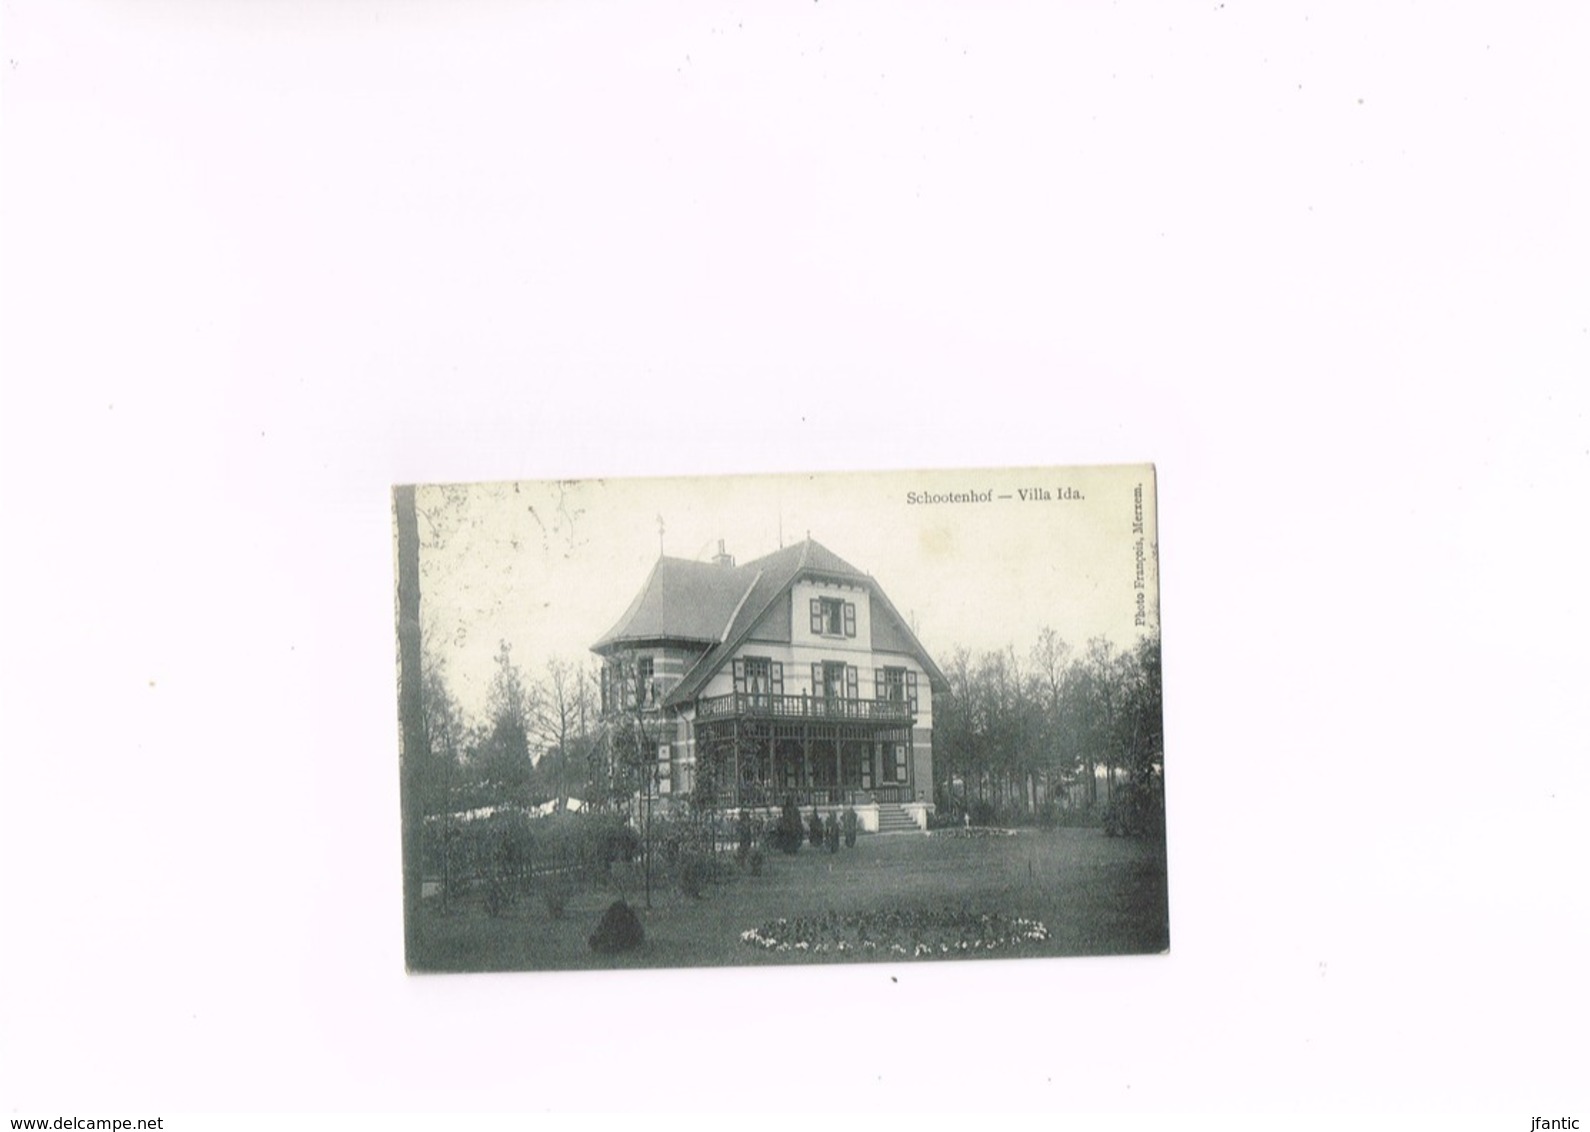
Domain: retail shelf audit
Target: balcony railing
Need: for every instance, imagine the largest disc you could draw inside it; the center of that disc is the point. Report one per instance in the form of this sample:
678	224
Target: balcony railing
766	705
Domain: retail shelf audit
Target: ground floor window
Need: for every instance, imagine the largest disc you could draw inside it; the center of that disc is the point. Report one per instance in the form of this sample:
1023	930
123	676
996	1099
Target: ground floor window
894	769
856	760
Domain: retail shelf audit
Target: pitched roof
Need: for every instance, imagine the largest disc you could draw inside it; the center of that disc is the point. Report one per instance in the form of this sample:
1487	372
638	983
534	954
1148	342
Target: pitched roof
681	600
809	556
718	606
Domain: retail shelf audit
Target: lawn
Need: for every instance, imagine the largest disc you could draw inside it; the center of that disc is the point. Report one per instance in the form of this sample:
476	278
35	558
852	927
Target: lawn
1096	895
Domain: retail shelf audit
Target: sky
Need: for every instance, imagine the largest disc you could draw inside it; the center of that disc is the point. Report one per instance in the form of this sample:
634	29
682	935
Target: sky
550	566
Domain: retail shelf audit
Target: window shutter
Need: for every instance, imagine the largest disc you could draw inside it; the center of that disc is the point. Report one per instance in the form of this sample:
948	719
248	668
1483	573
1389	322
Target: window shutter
850	619
778	678
817	615
852	676
739	676
877	685
817	679
910	689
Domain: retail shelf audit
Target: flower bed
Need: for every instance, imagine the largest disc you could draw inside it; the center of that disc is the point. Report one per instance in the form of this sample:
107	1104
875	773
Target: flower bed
901	935
972	832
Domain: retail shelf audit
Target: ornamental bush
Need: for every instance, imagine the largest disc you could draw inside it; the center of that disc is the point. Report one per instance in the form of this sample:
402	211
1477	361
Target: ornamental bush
618	930
787	835
696	871
814	829
618	843
744	834
849	823
555	893
831	833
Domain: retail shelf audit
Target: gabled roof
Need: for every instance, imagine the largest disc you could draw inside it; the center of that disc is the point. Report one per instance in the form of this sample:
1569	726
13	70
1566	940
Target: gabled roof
717	606
808	557
772	576
775	574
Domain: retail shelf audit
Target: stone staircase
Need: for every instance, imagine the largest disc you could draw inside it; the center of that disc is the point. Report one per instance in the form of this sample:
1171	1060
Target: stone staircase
892	818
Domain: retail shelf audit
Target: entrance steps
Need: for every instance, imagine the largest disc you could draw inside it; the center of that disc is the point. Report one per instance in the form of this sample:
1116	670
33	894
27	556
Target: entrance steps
892	818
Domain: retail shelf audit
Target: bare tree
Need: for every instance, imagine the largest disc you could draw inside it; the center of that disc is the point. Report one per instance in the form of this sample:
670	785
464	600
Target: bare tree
559	720
1051	658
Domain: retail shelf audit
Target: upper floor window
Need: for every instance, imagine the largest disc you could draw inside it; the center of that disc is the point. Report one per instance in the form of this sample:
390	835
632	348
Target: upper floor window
758	677
621	682
834	680
833	617
896	684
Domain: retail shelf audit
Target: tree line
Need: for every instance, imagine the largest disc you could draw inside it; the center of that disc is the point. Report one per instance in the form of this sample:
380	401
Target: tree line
535	741
1016	736
1057	729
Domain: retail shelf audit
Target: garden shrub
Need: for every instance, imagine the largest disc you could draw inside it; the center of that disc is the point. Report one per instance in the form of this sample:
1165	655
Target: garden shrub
786	836
744	833
675	839
585	841
831	833
695	872
619	930
982	813
618	844
815	828
1138	811
555	895
499	897
756	862
849	823
499	850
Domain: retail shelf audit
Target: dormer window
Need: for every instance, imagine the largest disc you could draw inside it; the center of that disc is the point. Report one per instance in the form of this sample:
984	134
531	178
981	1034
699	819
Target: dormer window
833	617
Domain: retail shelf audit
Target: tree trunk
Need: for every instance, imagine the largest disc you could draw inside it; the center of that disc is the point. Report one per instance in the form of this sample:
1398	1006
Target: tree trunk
411	713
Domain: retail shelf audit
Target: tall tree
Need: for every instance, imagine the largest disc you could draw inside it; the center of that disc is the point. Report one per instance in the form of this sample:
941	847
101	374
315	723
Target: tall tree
559	716
445	732
410	709
632	735
506	757
953	731
1051	658
1142	714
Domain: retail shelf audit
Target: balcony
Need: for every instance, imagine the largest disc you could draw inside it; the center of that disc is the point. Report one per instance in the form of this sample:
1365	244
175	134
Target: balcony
764	705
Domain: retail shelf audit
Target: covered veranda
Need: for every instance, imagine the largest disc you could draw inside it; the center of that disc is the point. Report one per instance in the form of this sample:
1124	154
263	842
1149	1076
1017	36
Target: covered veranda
750	763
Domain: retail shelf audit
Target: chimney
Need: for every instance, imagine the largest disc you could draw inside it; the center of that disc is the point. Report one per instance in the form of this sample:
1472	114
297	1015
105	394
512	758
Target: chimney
723	558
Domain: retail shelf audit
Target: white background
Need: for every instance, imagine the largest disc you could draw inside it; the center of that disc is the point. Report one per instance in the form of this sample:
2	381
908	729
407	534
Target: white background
1325	264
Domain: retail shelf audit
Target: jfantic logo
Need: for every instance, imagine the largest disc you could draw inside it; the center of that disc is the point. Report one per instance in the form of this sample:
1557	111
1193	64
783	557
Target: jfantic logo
1543	1124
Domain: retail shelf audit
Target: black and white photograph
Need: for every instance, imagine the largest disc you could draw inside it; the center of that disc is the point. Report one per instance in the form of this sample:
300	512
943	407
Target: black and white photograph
781	719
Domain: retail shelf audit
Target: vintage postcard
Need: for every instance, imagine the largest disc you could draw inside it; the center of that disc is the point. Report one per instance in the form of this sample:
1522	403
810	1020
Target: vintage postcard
898	716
